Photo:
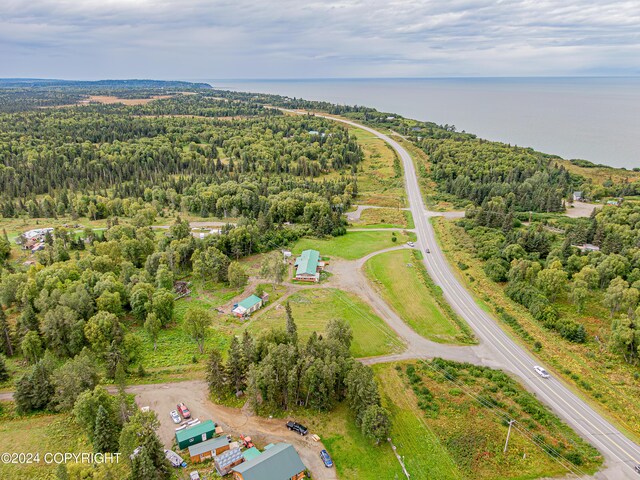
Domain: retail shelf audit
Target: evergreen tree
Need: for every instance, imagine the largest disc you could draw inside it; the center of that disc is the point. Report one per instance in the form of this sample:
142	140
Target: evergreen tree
4	373
235	365
104	432
216	375
6	337
34	390
292	329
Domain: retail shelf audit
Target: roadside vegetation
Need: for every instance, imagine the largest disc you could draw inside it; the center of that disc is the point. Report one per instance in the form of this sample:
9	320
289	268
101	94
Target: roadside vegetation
314	309
354	245
384	218
404	284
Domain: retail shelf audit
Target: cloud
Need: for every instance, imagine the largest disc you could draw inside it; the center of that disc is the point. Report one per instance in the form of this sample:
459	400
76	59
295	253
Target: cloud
287	38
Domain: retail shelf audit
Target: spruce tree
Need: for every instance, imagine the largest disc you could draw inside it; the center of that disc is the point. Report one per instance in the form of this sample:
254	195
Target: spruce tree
4	373
216	375
6	343
292	329
104	432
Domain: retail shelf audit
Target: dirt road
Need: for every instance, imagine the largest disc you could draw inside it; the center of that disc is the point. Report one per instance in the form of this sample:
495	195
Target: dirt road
162	398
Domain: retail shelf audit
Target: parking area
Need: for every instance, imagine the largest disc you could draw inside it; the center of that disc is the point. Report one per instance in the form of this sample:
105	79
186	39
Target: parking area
162	398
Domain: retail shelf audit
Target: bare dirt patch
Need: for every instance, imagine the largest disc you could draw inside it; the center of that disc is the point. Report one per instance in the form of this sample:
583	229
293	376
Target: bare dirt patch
163	398
581	209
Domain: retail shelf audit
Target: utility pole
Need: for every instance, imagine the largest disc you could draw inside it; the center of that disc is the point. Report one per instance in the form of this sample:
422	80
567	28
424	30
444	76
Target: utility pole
506	444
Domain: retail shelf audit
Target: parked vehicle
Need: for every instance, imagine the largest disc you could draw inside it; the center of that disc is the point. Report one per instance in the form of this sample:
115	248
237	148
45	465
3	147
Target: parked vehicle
174	459
541	371
411	244
184	411
326	459
175	416
298	428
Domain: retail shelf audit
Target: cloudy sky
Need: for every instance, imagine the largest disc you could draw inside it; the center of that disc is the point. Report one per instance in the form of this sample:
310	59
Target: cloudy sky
213	39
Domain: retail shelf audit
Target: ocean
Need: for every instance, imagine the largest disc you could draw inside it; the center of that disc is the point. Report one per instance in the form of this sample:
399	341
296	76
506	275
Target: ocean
593	118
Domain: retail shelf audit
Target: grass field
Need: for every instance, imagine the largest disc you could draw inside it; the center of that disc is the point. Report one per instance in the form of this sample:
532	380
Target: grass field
385	218
403	288
41	434
378	179
466	407
313	309
591	368
353	245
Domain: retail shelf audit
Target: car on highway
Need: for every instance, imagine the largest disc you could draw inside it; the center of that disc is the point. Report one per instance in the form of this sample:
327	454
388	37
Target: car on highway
184	411
426	250
541	371
326	459
298	428
175	416
637	468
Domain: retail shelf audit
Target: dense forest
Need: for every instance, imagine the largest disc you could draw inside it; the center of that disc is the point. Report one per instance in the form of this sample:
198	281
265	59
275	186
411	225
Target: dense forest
579	261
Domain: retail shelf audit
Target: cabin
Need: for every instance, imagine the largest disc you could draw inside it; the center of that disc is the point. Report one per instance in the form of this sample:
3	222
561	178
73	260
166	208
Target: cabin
577	196
247	306
278	462
196	434
209	449
308	266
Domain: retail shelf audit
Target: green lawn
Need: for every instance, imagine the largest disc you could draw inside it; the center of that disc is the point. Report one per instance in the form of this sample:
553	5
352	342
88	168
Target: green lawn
403	288
384	218
313	309
353	245
41	434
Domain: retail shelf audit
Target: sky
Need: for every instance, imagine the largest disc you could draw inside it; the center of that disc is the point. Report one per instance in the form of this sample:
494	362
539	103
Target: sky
259	39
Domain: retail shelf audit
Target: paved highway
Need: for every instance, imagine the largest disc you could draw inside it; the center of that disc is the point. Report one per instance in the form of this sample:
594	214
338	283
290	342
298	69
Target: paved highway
620	453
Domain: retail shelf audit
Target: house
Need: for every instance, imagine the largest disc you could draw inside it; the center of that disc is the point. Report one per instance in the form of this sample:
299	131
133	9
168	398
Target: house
209	449
577	196
308	266
247	306
587	247
196	434
280	462
227	460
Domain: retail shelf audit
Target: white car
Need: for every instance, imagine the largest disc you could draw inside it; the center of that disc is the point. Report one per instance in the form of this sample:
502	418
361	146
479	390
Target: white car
541	371
175	416
411	244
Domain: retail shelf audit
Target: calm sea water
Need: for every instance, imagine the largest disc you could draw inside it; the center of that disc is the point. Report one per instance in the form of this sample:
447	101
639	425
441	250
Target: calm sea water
596	119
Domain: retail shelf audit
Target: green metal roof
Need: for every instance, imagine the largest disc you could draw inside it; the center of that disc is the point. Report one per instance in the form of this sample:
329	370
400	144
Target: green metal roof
249	302
208	446
280	462
251	453
187	433
307	262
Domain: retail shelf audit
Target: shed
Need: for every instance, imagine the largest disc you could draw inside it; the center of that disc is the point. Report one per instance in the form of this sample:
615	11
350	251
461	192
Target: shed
280	462
196	434
247	306
227	460
251	453
206	450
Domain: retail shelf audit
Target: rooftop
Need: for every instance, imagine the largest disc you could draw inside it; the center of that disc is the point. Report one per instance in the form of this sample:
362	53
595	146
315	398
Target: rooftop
279	462
208	446
307	262
249	302
187	433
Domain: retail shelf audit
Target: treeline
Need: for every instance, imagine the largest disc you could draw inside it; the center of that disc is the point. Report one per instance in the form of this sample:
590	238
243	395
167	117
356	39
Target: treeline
543	266
277	370
267	166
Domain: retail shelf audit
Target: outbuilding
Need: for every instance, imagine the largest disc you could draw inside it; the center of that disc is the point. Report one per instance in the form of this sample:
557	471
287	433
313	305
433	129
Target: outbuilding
227	460
247	306
196	434
206	450
308	266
